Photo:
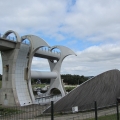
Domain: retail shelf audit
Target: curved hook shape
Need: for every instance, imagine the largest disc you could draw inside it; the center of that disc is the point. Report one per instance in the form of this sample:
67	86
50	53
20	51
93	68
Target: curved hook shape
64	50
56	67
18	38
36	42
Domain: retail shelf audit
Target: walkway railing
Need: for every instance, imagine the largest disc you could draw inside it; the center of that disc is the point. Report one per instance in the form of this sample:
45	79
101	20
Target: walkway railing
47	99
12	38
27	42
8	37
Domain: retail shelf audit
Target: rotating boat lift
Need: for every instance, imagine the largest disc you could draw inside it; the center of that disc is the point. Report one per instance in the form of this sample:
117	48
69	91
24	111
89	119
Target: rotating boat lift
16	81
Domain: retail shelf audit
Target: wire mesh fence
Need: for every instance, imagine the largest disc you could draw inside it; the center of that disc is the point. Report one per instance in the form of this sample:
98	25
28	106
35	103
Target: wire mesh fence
38	112
23	113
84	113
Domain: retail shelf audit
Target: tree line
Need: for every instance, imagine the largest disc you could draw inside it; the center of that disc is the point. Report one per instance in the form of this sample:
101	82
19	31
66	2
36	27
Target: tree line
73	79
67	79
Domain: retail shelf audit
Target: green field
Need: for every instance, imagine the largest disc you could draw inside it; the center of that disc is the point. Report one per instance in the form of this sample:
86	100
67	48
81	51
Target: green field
67	88
9	111
39	85
107	117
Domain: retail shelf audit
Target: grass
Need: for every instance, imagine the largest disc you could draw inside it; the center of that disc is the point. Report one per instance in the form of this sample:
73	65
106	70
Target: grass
9	111
68	89
106	117
39	85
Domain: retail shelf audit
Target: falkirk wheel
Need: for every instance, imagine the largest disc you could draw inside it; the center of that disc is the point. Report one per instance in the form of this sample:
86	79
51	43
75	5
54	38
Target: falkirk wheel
16	80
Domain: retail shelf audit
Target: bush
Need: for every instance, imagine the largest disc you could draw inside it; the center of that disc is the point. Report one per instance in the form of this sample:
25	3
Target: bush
68	89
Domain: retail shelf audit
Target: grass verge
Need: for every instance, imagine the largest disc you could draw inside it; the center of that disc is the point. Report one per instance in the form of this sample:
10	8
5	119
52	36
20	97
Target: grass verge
9	111
106	117
39	85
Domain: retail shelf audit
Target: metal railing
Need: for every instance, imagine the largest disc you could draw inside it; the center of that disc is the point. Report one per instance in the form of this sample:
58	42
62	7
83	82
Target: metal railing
45	99
26	42
8	37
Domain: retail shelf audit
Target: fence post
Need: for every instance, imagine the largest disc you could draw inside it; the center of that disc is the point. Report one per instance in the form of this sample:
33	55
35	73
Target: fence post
117	107
95	104
52	110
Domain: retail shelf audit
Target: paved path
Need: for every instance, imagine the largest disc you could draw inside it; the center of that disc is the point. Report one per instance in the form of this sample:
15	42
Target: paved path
80	116
32	111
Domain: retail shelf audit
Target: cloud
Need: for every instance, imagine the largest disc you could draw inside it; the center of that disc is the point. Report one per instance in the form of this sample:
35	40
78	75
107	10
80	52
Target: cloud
94	18
40	64
97	23
93	60
89	20
38	15
72	42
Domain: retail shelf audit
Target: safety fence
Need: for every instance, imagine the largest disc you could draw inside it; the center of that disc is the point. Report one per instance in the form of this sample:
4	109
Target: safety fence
105	113
37	112
23	112
8	37
13	39
92	112
44	99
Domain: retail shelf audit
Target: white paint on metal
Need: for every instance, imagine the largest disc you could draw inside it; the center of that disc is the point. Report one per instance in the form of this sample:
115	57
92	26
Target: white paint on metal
43	74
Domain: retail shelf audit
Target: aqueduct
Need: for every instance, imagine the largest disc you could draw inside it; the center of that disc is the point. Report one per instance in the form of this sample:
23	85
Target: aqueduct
17	59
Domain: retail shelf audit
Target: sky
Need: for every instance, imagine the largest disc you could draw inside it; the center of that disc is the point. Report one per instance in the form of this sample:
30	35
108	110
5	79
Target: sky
91	28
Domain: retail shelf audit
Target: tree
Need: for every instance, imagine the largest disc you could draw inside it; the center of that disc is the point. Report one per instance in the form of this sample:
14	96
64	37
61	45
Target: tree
68	79
73	79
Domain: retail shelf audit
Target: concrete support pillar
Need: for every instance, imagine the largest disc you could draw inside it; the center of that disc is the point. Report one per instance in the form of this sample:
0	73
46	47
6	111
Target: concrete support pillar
8	91
56	67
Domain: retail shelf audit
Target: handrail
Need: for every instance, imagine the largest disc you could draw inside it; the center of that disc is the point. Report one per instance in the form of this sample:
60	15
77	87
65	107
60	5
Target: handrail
24	42
8	37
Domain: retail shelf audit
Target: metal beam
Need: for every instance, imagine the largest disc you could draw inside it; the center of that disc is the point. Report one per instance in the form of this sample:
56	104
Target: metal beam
43	75
47	54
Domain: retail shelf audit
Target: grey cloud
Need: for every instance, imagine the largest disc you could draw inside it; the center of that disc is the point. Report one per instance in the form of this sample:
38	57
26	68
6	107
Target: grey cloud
40	64
93	60
87	20
84	18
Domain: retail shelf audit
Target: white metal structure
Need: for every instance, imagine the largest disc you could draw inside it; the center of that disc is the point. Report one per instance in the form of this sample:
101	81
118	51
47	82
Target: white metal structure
17	58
